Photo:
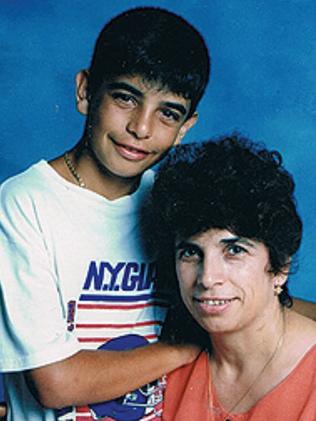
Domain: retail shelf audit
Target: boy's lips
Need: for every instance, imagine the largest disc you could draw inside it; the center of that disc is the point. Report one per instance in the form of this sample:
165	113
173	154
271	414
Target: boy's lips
130	152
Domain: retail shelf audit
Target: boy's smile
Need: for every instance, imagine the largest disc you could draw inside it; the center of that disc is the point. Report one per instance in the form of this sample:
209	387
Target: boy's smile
130	153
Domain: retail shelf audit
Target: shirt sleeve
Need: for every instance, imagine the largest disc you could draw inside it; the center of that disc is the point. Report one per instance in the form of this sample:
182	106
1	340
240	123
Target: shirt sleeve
32	316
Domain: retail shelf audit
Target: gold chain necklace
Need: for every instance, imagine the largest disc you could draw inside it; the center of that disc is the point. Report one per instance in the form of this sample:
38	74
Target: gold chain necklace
73	170
228	417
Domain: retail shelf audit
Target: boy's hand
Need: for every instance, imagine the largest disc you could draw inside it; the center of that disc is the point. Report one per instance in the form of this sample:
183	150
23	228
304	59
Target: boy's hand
3	411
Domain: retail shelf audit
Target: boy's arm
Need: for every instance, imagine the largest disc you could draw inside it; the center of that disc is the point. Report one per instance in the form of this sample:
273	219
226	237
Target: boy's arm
306	308
3	411
85	377
96	376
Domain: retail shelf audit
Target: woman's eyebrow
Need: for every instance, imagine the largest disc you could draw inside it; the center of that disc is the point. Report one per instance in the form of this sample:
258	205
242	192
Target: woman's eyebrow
234	240
182	244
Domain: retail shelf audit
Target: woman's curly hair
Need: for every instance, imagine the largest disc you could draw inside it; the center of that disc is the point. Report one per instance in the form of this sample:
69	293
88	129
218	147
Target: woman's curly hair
229	183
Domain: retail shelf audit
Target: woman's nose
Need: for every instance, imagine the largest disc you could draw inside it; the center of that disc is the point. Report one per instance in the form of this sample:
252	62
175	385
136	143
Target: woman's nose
212	272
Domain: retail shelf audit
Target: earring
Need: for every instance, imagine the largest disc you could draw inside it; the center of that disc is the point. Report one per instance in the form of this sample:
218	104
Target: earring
277	289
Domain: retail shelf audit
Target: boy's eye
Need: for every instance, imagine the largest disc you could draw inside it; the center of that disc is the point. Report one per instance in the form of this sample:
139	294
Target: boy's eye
170	115
124	98
235	249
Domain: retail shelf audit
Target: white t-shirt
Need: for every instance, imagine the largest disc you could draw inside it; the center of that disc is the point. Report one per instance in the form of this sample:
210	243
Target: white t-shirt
75	272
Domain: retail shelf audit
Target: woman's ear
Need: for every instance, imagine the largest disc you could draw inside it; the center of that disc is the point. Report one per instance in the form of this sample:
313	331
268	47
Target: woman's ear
280	278
82	97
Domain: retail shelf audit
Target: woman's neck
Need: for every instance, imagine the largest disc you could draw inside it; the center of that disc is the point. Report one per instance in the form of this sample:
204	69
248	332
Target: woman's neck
247	360
250	345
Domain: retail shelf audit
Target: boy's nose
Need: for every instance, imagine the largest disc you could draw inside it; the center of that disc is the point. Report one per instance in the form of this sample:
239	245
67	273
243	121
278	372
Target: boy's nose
140	124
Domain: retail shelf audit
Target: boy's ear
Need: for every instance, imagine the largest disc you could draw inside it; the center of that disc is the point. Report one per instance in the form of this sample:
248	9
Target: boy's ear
185	127
82	98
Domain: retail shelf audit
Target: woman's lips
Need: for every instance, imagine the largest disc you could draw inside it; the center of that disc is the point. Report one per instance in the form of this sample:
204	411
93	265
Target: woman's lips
213	305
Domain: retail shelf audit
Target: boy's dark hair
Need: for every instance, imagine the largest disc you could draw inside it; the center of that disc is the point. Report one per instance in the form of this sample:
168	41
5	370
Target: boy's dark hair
156	44
233	184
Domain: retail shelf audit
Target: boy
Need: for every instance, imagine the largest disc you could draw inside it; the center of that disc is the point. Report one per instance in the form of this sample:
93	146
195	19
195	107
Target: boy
75	271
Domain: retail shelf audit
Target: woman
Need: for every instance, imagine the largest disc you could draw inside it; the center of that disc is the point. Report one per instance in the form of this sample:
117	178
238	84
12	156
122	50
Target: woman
226	213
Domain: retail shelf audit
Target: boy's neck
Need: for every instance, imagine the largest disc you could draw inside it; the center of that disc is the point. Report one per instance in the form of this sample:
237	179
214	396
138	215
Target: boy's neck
74	167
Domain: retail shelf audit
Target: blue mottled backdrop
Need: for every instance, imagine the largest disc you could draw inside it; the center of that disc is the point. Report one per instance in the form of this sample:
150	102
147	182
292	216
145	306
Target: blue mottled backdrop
263	83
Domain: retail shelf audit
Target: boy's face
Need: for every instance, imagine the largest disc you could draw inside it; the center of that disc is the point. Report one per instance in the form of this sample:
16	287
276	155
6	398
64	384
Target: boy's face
134	123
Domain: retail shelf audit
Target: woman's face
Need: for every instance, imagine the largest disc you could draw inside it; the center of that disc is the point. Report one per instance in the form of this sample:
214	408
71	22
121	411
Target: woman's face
225	280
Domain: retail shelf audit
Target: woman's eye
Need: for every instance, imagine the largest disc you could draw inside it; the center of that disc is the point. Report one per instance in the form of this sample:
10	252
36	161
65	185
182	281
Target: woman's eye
189	252
234	250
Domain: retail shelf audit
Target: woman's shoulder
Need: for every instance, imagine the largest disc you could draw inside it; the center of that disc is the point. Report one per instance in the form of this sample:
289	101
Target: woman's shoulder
306	308
301	325
301	334
299	346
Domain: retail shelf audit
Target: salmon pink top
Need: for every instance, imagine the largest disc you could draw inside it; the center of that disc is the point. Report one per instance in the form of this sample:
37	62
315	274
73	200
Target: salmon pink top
187	395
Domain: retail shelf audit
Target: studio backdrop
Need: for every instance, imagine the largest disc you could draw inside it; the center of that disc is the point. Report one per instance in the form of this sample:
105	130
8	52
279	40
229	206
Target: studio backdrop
263	84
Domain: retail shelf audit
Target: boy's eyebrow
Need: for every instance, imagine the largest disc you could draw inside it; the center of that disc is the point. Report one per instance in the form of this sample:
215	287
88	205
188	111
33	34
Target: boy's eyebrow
127	87
177	106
